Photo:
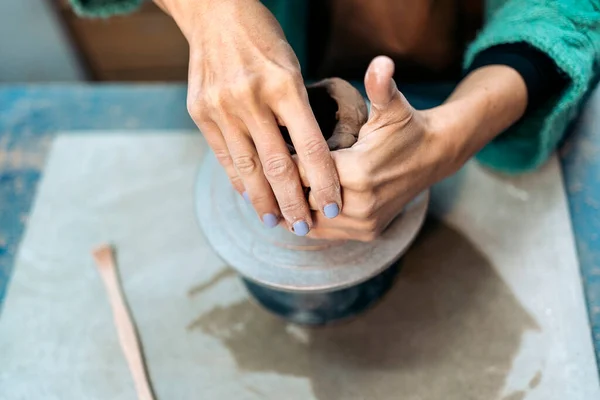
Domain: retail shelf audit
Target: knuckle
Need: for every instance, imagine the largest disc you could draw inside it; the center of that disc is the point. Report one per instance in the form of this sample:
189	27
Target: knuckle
214	98
283	83
360	181
236	181
195	109
223	157
278	166
325	191
261	200
367	208
243	89
245	164
292	207
316	149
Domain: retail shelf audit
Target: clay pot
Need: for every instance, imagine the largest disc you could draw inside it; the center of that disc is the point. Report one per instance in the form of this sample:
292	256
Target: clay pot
339	109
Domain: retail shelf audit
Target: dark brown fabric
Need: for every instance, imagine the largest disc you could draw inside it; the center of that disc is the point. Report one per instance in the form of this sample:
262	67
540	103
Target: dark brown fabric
426	38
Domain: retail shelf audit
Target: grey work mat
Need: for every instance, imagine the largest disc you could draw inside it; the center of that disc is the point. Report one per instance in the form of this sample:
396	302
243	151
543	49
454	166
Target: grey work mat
489	303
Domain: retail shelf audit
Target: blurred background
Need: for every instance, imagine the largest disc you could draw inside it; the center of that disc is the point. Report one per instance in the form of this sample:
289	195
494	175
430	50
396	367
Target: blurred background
44	41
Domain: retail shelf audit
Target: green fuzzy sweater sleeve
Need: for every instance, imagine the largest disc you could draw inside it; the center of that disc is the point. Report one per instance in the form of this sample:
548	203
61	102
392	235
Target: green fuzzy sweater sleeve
569	32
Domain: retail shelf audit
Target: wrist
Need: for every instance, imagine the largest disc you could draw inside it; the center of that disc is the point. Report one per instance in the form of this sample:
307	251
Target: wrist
486	103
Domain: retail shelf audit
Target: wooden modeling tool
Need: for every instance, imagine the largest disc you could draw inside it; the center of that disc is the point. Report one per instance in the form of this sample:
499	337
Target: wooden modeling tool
128	338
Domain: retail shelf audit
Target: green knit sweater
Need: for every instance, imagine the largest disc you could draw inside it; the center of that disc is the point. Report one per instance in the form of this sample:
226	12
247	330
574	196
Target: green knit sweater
567	30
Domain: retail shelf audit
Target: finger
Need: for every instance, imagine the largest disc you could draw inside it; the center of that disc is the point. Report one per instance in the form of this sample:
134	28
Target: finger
357	189
357	204
386	100
211	132
338	234
280	171
331	234
346	228
346	223
247	164
313	152
379	82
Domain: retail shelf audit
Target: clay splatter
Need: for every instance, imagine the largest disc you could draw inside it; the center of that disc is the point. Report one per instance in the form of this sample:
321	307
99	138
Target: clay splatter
535	381
225	273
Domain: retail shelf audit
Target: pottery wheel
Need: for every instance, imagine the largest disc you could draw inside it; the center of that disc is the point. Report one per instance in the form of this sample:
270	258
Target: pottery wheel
282	260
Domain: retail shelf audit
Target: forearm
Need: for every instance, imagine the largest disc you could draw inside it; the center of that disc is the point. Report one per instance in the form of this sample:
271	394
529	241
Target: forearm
567	31
182	12
484	104
188	14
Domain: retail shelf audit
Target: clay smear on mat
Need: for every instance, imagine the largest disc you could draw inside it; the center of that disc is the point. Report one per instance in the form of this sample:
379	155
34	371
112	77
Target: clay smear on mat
435	335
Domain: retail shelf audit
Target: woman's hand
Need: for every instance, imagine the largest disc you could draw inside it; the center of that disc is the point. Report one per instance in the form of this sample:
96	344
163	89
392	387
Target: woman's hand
401	151
244	79
397	156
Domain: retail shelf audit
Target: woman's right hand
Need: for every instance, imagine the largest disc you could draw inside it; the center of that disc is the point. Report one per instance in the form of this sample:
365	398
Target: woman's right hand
244	80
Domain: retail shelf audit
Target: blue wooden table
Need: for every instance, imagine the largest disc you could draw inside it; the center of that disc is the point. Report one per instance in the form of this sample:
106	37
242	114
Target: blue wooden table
31	115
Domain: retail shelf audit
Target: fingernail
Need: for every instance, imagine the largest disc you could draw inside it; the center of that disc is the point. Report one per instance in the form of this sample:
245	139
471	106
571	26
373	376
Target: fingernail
246	197
300	228
331	210
270	220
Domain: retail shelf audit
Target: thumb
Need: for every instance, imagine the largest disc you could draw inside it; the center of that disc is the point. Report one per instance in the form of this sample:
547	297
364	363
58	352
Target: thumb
387	103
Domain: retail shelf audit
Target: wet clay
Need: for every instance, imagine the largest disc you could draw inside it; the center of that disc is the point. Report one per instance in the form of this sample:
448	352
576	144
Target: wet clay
339	109
450	328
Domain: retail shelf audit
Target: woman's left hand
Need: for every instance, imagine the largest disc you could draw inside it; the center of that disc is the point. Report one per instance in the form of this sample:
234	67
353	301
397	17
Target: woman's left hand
398	154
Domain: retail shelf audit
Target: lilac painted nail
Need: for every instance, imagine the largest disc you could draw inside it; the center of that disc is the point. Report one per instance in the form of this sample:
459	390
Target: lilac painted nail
300	228
331	210
269	220
246	197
